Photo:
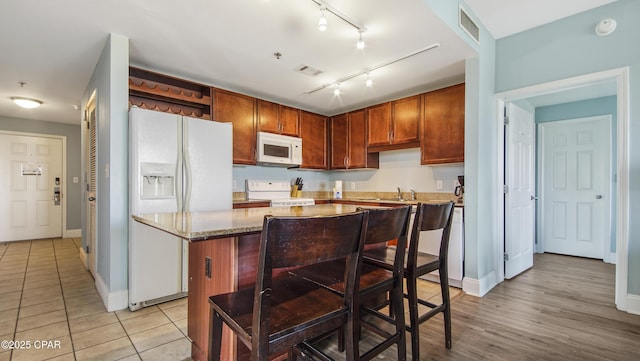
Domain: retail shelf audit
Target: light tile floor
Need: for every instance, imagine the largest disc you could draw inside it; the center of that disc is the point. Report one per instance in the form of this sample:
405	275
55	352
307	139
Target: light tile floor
47	295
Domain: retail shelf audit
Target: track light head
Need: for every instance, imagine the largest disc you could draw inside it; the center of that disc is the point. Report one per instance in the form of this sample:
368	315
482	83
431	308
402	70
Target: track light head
322	22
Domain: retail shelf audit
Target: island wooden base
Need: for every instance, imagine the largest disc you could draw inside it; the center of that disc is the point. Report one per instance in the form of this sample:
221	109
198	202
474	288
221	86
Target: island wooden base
212	270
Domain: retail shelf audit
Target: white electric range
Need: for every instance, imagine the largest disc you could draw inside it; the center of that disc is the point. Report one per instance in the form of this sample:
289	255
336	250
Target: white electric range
278	192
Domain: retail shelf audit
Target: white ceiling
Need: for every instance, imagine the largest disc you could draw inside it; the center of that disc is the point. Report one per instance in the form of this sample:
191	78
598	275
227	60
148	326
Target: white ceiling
230	44
505	17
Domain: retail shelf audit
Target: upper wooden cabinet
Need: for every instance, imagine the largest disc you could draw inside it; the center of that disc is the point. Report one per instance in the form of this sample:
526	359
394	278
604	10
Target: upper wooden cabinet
443	127
394	125
379	127
349	142
276	118
240	110
314	133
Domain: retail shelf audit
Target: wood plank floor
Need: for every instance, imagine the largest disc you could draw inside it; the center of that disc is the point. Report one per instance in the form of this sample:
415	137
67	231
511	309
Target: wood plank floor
561	309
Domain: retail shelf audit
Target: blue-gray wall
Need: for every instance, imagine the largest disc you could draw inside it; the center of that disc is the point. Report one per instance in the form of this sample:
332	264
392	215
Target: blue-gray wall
72	132
480	167
109	81
583	109
569	47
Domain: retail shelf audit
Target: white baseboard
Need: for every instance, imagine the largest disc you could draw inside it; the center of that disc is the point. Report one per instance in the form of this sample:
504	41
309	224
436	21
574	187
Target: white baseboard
633	304
83	257
480	287
72	233
113	301
610	258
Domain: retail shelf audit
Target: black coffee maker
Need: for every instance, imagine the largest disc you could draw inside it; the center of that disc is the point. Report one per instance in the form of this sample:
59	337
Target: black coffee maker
459	191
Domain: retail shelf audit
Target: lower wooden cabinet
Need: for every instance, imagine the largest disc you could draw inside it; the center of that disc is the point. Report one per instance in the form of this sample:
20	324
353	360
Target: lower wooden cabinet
442	138
211	272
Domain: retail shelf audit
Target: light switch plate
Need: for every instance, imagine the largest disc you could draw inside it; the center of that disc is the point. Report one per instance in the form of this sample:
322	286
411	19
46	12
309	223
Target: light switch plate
75	180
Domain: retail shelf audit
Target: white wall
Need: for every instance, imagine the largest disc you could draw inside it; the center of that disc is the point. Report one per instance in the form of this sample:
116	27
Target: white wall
401	168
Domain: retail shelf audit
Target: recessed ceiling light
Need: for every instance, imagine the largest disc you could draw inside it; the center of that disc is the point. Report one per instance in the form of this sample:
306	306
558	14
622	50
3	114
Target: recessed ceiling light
26	103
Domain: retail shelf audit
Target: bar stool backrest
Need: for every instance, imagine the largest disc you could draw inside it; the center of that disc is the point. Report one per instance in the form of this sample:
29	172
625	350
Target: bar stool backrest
300	241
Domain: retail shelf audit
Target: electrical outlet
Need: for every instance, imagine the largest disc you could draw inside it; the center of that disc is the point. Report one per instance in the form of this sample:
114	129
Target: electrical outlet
439	184
353	186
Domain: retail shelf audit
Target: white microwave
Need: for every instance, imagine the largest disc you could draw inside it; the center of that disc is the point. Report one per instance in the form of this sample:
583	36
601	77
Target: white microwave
276	149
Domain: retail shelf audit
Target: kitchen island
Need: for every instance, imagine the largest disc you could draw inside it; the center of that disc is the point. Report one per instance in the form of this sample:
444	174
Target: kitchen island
223	255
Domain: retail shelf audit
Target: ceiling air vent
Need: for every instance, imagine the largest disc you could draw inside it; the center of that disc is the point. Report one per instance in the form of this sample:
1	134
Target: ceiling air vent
469	26
308	70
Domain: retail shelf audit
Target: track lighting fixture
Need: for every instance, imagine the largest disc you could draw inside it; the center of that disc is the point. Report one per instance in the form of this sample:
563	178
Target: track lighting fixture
336	84
336	89
322	22
360	43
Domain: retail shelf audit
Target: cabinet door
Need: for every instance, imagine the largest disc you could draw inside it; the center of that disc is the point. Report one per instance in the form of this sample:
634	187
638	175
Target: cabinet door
220	255
406	121
240	110
357	154
268	117
443	127
314	133
379	124
339	134
289	120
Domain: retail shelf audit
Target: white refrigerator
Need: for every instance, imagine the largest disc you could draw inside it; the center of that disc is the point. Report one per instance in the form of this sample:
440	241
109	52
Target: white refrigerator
176	164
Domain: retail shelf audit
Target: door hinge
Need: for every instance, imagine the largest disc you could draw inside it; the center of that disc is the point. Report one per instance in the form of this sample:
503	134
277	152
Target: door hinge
506	257
88	250
505	189
506	120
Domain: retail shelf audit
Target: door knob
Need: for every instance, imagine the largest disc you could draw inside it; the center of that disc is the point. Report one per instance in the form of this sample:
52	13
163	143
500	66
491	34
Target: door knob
91	199
534	198
598	196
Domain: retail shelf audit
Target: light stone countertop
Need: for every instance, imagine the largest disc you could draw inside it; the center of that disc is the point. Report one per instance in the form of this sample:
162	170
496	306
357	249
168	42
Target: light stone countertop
198	226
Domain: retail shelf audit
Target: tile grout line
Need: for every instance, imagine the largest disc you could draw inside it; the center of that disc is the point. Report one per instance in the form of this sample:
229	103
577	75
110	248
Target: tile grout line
128	336
24	280
64	301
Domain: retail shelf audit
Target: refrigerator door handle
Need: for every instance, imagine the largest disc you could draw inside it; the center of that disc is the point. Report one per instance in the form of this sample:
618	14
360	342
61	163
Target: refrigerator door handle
187	165
179	171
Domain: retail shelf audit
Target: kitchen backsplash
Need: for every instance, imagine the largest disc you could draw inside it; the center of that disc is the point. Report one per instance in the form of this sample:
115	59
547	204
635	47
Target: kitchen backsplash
398	168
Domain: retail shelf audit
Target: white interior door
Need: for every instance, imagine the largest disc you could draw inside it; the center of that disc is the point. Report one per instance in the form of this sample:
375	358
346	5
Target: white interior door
30	187
576	173
91	184
520	196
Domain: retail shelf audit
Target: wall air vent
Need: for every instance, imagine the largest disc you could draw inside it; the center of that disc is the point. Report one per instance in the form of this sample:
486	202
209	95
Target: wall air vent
469	26
308	70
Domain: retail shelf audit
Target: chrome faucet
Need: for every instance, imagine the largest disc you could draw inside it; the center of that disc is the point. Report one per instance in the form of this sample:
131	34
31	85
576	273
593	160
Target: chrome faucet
413	195
399	194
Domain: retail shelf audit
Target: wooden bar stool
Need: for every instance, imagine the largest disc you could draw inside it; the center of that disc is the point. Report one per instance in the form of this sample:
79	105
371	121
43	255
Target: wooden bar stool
377	284
279	313
428	217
